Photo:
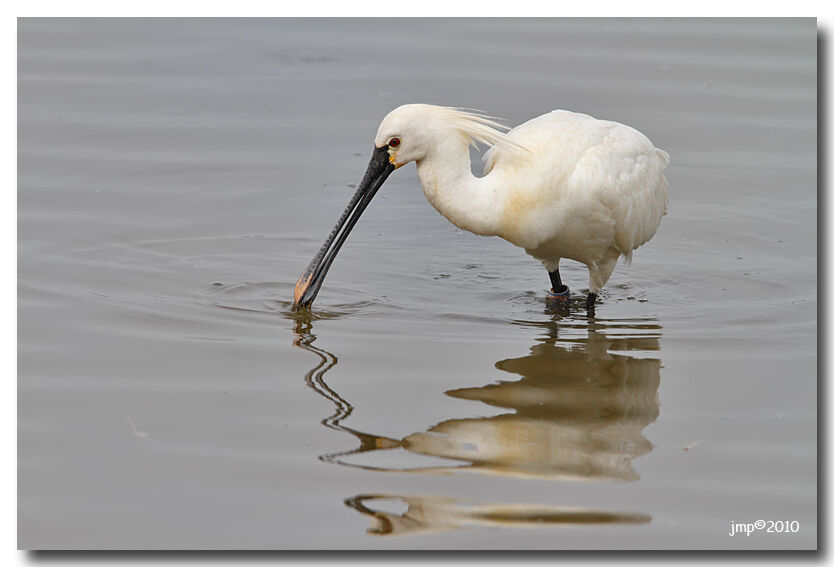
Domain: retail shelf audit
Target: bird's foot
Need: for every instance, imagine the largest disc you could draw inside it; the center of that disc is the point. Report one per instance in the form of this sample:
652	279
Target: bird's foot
560	298
590	304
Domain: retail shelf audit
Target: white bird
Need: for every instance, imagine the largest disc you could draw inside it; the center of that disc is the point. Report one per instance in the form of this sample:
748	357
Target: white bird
562	185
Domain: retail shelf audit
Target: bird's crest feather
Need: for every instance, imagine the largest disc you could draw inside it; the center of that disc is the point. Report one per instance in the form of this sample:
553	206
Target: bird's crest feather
478	128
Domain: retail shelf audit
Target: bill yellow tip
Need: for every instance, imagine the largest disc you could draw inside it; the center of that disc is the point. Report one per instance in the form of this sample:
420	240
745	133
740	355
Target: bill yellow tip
301	286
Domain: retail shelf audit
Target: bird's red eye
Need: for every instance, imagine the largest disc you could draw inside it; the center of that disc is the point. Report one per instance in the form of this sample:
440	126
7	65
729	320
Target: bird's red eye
394	142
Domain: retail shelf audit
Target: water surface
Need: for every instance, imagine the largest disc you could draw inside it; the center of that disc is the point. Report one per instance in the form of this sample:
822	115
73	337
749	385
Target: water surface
175	176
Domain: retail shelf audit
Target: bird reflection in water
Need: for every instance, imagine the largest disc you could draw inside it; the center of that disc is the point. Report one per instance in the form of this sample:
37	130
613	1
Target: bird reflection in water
580	409
578	412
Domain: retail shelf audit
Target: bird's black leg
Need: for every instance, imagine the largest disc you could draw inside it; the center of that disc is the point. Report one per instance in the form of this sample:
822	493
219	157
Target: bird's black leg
556	281
590	304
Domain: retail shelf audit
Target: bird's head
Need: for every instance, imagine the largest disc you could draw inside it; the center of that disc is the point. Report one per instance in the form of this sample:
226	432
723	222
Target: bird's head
406	133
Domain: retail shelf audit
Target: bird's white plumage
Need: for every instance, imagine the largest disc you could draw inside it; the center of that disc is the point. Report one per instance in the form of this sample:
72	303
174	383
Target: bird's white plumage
562	185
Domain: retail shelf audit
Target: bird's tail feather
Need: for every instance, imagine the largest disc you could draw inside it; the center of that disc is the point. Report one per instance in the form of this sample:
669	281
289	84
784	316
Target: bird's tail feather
663	157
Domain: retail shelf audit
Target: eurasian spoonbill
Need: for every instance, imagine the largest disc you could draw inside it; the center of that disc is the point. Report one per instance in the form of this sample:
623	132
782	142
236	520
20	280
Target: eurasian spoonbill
562	185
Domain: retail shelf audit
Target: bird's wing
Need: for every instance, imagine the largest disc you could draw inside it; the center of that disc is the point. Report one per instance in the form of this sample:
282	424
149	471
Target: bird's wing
625	170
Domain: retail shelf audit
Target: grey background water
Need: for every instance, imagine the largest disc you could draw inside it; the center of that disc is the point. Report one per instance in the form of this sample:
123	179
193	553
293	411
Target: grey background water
175	176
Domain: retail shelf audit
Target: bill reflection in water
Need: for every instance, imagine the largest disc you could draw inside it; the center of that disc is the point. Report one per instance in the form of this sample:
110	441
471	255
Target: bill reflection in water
425	514
578	412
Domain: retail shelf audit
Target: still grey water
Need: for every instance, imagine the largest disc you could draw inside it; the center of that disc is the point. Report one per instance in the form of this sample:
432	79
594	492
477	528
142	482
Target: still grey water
175	177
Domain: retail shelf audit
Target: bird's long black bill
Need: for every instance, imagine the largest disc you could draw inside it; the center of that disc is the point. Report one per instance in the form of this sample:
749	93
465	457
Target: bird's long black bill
310	281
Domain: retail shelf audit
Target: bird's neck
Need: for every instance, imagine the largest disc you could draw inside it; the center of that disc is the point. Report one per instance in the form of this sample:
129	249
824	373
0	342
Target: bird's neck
467	201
